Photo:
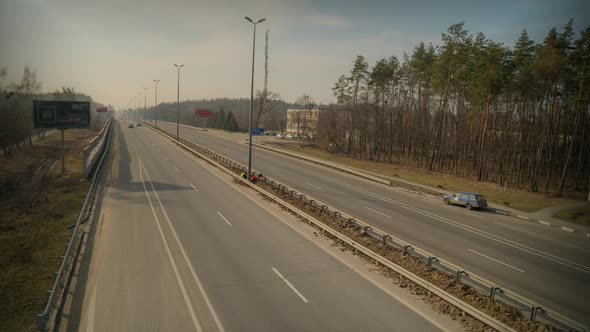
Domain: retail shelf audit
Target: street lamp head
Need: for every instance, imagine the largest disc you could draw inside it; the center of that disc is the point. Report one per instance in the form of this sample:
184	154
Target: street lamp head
181	65
249	19
262	20
175	65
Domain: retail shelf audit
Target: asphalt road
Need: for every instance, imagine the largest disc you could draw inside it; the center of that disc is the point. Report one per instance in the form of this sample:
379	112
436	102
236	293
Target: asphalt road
545	265
180	249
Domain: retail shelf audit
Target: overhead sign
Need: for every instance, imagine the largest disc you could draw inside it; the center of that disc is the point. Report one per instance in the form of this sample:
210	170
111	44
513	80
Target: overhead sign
61	114
257	131
103	109
203	113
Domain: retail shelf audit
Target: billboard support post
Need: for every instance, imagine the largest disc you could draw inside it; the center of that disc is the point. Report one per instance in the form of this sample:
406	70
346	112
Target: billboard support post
63	152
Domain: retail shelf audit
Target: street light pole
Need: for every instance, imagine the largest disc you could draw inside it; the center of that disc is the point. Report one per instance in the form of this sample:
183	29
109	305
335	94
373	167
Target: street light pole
156	105
145	105
251	97
138	106
178	102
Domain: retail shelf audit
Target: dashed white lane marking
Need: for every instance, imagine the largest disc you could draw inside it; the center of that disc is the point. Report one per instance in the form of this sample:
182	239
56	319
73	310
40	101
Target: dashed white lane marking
224	219
195	188
290	285
495	260
313	185
165	158
381	213
177	170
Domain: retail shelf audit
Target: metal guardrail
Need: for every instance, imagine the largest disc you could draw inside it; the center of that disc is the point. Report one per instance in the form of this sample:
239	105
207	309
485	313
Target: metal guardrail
94	149
527	307
75	241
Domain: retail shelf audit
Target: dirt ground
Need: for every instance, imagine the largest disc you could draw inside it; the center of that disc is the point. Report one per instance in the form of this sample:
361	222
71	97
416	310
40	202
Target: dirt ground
33	236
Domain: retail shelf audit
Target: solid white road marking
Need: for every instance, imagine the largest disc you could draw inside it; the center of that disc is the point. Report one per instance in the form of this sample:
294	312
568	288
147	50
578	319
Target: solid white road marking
195	188
314	186
495	260
381	213
170	257
165	158
184	255
290	285
222	217
177	170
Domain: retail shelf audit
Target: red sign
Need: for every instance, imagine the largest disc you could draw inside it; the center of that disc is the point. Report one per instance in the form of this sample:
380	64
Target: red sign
103	109
203	113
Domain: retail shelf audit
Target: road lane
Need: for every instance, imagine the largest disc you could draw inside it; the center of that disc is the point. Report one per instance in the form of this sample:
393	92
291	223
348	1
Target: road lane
560	268
235	263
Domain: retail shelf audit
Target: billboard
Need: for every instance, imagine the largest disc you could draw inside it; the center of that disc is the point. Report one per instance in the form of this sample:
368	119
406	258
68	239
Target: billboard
103	109
203	113
61	114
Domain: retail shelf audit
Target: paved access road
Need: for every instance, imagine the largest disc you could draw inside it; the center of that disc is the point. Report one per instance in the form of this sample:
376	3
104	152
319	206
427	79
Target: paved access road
546	265
180	249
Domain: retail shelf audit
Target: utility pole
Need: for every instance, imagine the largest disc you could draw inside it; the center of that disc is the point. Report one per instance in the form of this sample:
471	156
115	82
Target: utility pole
178	103
145	105
156	105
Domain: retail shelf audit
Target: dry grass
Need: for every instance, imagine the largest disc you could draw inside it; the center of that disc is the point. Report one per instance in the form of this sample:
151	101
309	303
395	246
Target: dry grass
33	239
580	215
513	198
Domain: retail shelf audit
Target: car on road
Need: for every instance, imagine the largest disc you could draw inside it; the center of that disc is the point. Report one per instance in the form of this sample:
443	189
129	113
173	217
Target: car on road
468	199
270	133
281	136
293	136
139	124
130	125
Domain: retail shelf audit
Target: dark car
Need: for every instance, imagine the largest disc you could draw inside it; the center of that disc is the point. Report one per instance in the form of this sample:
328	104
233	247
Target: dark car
130	125
468	199
139	124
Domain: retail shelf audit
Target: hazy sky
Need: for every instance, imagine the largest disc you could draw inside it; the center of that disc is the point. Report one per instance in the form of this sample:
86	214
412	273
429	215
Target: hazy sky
112	49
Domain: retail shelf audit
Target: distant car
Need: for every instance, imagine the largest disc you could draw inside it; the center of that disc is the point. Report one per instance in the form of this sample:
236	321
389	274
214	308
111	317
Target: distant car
270	133
130	125
281	136
139	124
468	199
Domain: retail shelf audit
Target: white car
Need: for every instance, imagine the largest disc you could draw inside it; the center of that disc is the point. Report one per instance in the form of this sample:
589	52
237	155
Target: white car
281	136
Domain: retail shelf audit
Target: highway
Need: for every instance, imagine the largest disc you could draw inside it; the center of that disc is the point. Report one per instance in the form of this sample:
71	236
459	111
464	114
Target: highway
179	247
545	265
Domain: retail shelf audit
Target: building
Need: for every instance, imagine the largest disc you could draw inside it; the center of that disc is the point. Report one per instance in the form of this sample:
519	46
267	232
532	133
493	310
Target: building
302	122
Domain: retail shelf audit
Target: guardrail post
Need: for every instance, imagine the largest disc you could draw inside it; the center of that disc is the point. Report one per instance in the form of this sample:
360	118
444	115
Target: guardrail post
430	260
493	292
302	198
534	310
292	193
324	208
385	237
337	214
311	201
351	222
459	274
406	247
